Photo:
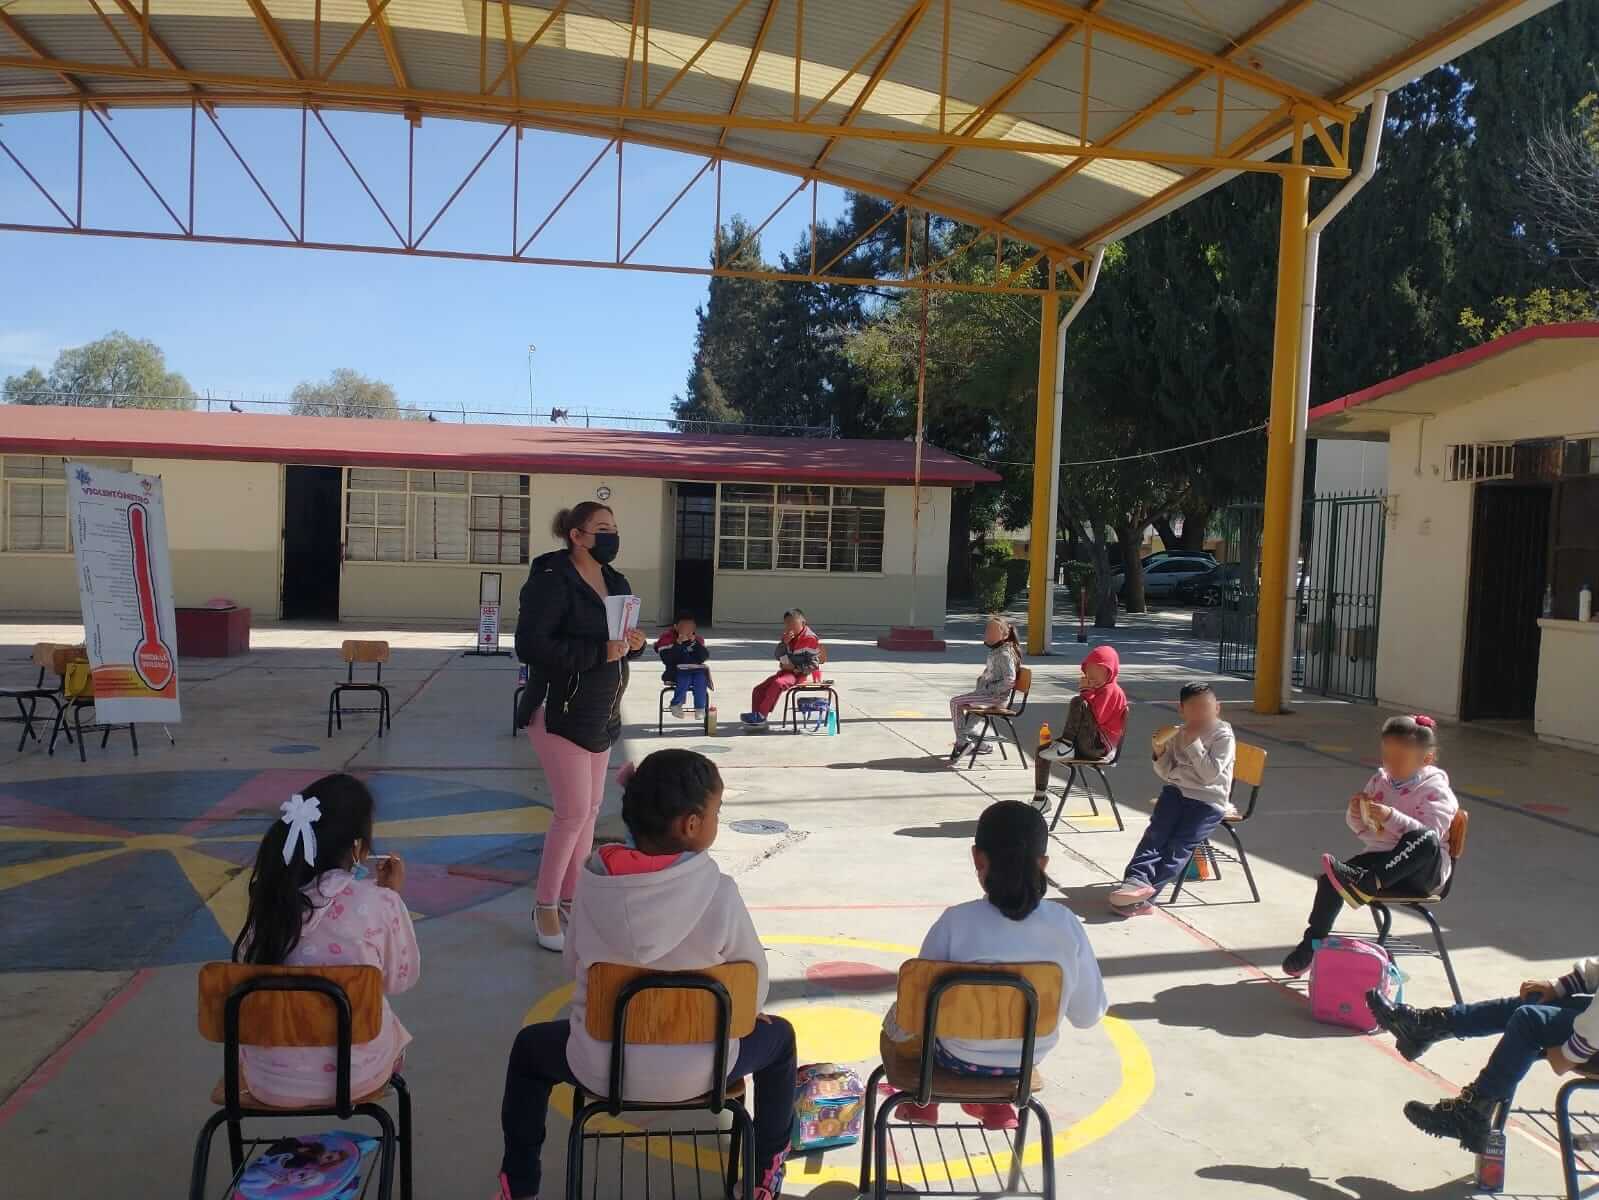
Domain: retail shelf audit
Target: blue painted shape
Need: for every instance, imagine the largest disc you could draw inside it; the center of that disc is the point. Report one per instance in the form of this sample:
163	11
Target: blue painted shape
12	853
159	802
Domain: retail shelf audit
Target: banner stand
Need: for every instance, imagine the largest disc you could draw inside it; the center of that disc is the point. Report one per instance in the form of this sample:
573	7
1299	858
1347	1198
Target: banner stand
488	618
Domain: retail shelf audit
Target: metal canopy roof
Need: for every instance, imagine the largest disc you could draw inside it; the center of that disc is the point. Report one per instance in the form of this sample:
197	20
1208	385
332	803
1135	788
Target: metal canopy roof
1058	124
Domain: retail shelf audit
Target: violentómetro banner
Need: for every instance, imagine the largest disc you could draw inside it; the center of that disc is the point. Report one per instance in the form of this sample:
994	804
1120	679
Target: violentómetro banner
119	534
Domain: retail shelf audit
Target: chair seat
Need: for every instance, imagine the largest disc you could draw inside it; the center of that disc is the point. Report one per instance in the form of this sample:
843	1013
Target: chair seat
249	1103
902	1061
995	712
735	1091
1407	899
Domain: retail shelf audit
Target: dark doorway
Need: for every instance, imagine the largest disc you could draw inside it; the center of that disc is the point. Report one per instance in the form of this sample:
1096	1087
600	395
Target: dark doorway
695	578
1509	560
311	543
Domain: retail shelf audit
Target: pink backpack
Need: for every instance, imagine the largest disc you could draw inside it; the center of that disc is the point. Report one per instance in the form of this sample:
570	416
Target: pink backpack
1341	974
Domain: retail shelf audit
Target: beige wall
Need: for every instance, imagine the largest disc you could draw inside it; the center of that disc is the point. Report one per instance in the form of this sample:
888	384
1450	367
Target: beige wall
1568	664
223	521
1427	556
759	597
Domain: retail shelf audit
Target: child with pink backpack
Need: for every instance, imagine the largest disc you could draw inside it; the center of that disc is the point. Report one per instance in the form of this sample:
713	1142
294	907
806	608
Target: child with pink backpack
1402	818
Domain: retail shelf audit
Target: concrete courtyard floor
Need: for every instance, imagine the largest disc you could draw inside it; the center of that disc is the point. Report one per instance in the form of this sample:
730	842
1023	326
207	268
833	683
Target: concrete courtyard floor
118	876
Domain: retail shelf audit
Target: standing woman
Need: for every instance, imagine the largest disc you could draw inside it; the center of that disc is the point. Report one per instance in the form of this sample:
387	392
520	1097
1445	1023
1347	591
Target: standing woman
564	637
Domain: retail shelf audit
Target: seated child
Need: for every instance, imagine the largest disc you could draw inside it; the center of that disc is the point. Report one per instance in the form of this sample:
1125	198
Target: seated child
681	646
1551	1019
1009	924
313	903
993	685
1095	720
1196	765
659	903
798	659
1402	817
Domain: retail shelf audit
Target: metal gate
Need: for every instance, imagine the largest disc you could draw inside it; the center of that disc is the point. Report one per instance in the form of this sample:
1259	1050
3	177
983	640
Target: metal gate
1338	594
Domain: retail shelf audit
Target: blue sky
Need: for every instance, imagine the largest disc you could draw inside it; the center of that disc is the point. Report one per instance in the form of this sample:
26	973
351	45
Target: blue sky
248	323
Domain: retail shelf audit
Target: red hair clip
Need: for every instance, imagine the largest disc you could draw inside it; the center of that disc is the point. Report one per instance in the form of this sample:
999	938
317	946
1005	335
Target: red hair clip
1425	722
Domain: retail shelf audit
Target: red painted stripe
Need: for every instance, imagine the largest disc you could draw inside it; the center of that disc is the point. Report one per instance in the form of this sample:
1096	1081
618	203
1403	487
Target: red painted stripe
1454	362
51	1067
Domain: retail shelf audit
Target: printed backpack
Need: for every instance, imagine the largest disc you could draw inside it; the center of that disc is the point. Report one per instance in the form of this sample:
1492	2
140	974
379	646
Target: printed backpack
828	1100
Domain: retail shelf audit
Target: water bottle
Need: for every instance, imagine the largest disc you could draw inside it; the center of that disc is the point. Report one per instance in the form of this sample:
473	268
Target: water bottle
1491	1163
710	721
1585	603
832	720
1045	737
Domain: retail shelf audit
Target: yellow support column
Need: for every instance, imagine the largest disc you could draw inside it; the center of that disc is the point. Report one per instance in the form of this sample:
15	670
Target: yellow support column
1276	556
1038	589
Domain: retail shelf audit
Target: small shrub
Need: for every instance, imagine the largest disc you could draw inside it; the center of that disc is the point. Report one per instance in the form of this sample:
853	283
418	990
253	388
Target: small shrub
988	587
1016	570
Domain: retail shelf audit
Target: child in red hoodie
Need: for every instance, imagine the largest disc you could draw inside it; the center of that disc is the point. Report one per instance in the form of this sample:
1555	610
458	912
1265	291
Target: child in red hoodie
1095	721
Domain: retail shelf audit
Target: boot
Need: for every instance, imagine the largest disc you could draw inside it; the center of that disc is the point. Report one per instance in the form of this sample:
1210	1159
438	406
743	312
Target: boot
1467	1118
1414	1029
1352	883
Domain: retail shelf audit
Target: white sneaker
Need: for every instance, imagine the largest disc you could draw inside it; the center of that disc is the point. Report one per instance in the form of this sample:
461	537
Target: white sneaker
676	710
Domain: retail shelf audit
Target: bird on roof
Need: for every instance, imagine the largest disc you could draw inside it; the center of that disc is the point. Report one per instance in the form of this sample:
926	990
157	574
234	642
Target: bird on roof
431	417
232	407
557	416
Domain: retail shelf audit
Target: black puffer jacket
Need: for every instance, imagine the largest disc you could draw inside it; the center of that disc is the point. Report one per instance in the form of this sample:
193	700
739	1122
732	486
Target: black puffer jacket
561	633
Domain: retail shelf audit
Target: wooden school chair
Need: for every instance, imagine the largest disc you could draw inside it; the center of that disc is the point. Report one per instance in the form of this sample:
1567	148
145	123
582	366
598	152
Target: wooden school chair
802	698
28	698
71	663
243	1005
1077	772
1422	906
1006	714
1249	768
352	652
970	1001
667	691
667	1008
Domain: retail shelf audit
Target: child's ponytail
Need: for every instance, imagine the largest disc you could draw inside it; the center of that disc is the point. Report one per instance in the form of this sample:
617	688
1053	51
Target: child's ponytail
278	903
1014	838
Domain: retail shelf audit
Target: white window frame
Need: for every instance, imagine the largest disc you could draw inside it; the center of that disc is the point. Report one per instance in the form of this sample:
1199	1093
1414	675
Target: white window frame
11	484
378	526
412	490
804	510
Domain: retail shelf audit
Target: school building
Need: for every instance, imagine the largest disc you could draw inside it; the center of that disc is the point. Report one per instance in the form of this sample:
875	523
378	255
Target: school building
314	518
1492	529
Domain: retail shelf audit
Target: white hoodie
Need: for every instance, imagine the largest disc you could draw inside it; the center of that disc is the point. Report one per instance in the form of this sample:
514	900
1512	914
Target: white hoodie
686	916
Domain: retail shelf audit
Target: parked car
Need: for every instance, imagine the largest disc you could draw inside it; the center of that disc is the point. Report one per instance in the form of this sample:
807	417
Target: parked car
1162	576
1161	555
1210	588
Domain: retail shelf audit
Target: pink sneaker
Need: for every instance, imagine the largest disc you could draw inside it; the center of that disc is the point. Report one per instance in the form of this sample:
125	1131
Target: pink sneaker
993	1116
1142	909
922	1114
503	1192
1131	893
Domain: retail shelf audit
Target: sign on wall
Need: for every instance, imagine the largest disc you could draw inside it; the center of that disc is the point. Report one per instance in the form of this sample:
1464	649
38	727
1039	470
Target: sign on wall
119	534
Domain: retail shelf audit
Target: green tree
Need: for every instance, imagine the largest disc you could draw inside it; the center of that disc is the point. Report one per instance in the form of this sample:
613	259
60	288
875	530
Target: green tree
115	371
347	393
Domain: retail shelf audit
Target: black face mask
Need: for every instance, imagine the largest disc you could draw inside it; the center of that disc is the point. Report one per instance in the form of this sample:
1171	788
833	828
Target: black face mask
606	547
995	645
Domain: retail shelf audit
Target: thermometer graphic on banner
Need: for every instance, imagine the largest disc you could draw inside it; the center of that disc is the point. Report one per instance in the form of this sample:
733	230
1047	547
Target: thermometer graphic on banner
151	657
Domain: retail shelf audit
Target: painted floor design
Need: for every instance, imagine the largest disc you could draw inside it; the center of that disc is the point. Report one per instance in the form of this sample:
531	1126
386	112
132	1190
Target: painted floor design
125	871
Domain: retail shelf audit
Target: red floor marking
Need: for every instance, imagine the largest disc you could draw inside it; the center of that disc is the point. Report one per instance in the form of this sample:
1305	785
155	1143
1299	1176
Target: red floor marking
27	815
840	976
263	793
1546	808
51	1067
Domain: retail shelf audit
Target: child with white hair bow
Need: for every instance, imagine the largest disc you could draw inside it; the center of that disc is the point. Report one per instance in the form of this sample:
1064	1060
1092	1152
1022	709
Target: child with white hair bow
316	902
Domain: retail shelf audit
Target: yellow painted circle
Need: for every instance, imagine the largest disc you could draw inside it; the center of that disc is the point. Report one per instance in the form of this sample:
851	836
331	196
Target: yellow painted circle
159	841
833	1033
1136	1086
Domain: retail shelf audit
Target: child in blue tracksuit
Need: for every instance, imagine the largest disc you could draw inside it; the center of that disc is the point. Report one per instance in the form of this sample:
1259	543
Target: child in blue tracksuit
683	654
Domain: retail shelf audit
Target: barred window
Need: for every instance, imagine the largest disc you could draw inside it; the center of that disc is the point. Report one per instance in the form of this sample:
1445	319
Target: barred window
436	516
808	527
35	496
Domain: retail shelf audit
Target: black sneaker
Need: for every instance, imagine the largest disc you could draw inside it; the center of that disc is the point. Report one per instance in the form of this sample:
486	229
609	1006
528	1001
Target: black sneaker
1414	1029
1350	882
1467	1118
960	749
1299	960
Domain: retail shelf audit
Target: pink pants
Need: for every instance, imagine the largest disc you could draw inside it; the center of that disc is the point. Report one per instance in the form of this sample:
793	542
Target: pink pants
577	785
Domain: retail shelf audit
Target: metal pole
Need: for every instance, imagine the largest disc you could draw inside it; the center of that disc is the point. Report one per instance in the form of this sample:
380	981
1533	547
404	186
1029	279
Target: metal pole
532	416
1275	552
1046	426
921	421
1307	334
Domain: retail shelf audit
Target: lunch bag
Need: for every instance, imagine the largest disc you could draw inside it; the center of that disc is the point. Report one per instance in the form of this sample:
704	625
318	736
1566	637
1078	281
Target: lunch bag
828	1100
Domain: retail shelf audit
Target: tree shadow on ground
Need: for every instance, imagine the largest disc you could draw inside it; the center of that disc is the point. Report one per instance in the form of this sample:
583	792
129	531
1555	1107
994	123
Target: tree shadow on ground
944	829
1248	1008
926	764
1298	1181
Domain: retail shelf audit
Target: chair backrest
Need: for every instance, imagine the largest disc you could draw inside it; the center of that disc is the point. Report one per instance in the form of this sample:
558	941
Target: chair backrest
669	1015
1249	768
1455	840
44	653
60	655
976	1011
355	651
278	1016
1024	682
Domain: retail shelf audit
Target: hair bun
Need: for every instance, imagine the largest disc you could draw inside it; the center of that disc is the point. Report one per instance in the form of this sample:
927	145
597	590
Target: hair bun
1424	721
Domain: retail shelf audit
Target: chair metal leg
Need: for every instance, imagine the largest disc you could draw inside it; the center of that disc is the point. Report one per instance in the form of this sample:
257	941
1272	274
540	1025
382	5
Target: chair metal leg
1071	778
105	736
387	1144
1443	950
133	736
1046	1136
332	698
1568	1148
1243	860
1018	1146
977	743
880	1133
1182	877
402	1092
1110	794
202	1155
1383	919
751	1168
235	1144
735	1143
574	1146
77	720
868	1129
56	728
